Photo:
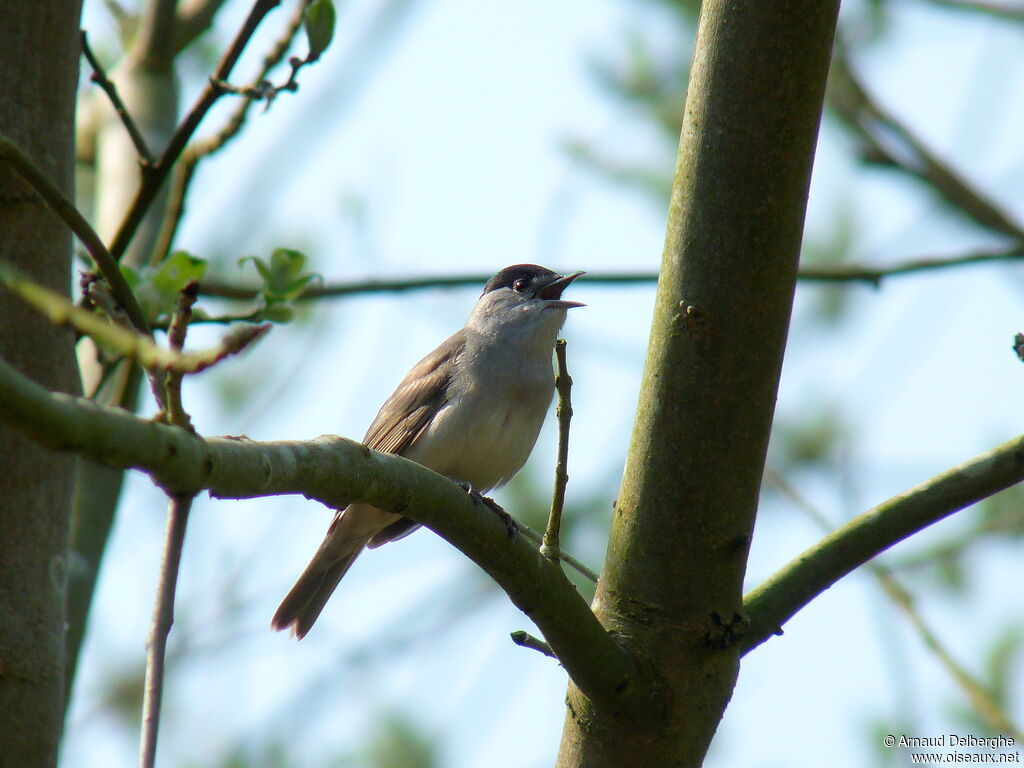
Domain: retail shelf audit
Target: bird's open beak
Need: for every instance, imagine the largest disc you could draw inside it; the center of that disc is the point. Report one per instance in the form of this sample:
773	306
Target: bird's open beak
552	292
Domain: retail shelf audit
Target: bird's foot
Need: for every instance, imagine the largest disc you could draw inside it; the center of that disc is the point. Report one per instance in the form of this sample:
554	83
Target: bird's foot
491	504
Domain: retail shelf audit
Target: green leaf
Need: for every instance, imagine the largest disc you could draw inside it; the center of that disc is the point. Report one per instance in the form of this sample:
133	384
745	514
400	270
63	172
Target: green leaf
261	266
287	262
157	288
319	22
177	270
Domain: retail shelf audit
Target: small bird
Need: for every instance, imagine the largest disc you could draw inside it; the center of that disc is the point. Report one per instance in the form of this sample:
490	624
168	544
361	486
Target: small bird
471	410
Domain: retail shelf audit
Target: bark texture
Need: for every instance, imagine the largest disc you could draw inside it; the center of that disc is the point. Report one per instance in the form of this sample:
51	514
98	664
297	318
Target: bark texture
671	588
39	71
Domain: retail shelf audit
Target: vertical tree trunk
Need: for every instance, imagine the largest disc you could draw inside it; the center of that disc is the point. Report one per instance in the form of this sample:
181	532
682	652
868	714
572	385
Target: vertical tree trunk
672	580
39	71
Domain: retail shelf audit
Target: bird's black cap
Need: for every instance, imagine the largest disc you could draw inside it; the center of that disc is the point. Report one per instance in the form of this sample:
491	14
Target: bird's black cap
529	272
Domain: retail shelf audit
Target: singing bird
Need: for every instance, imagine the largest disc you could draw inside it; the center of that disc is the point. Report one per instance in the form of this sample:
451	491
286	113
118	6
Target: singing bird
471	410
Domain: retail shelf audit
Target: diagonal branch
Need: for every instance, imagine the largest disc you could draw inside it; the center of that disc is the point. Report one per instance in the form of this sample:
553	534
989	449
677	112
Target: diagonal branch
157	173
981	699
126	342
778	599
71	216
99	76
893	143
203	148
334	471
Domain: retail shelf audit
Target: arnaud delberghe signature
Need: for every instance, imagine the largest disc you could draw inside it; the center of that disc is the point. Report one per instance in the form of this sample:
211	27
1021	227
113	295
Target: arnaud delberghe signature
953	740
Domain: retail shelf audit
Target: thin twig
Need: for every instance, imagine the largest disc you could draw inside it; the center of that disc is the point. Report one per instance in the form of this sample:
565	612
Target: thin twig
980	698
156	173
174	411
203	148
71	216
563	385
892	143
526	640
564	556
99	76
163	617
839	273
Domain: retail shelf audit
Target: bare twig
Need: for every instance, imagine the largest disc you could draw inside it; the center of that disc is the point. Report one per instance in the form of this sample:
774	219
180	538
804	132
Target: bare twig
71	216
891	142
564	556
203	148
840	273
163	617
157	172
125	341
980	698
100	78
526	640
875	275
563	385
174	411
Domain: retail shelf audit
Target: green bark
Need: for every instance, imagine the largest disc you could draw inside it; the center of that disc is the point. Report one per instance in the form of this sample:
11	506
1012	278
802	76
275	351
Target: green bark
672	582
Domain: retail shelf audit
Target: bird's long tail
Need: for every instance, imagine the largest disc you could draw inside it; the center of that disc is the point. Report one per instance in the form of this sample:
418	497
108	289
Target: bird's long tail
302	605
349	533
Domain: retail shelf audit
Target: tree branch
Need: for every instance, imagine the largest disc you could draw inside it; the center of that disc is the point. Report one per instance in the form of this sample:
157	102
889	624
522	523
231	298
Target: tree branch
163	617
983	701
126	342
203	148
335	472
840	273
778	599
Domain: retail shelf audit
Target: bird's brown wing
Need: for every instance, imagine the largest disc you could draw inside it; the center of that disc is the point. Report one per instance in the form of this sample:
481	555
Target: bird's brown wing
404	415
407	413
400	422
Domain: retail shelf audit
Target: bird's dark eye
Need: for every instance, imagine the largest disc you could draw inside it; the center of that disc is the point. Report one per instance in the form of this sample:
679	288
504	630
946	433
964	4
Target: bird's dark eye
520	285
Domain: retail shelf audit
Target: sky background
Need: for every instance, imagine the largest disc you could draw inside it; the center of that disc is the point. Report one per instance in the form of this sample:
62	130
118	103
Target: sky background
438	147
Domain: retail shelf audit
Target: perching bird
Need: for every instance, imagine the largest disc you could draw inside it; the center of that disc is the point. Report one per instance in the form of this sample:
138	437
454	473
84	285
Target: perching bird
470	410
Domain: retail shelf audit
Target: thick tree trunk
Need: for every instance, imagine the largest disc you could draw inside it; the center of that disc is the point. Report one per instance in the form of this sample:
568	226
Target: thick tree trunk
672	581
39	71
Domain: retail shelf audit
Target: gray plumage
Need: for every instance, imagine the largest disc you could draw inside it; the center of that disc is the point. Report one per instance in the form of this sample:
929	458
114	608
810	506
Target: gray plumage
470	410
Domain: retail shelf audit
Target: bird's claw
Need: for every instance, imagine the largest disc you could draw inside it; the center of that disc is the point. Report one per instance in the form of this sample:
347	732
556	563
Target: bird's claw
491	504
